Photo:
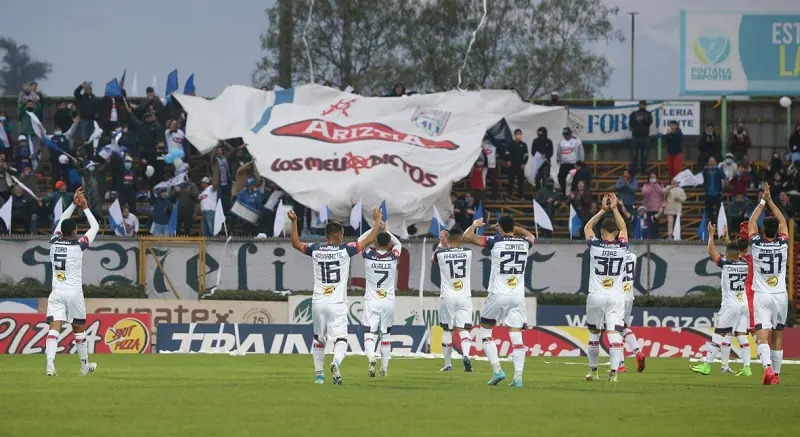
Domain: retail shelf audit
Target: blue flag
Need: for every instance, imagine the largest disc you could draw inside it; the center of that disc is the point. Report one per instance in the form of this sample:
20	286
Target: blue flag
497	223
49	143
437	225
479	215
189	87
113	89
384	214
173	221
172	84
702	231
637	229
122	81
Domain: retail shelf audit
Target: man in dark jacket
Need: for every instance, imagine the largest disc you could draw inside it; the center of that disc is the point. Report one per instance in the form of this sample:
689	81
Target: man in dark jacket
516	158
63	116
21	210
162	210
674	142
712	185
186	196
88	108
151	103
582	173
544	146
708	146
128	185
640	122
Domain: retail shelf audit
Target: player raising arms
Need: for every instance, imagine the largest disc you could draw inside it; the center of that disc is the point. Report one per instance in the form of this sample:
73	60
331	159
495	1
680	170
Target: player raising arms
604	302
733	317
505	304
331	263
627	297
380	266
770	253
66	303
455	299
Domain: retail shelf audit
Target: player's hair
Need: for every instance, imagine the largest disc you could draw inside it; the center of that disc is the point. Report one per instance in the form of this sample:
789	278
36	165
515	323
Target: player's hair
770	227
732	247
454	234
742	244
507	223
383	239
333	228
610	226
68	227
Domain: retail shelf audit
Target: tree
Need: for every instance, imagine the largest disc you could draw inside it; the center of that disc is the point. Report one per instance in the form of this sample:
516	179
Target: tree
18	68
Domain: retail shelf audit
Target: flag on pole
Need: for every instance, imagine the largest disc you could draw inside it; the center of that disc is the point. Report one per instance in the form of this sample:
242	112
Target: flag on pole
122	79
676	230
437	224
540	217
479	215
58	209
189	87
219	218
324	215
5	213
135	87
24	187
356	216
538	161
575	223
722	220
173	221
172	84
32	149
113	88
384	214
280	220
702	230
116	221
38	127
638	232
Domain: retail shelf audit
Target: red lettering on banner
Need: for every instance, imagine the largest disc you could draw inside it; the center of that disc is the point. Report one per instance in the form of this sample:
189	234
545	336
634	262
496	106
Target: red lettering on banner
341	106
331	132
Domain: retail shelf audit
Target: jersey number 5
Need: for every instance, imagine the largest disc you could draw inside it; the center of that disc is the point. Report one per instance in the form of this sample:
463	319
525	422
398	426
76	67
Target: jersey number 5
329	272
60	261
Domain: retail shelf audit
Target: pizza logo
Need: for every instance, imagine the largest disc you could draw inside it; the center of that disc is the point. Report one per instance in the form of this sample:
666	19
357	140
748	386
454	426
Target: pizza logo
61	276
772	281
458	285
627	287
127	336
511	282
381	293
331	132
608	283
328	290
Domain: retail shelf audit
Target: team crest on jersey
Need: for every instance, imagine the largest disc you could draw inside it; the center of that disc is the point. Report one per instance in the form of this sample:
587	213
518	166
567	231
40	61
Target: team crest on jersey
328	290
511	282
772	281
381	293
458	285
626	288
608	283
127	336
61	276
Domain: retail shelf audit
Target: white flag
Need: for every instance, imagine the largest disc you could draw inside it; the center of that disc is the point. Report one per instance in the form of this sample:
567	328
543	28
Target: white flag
115	220
4	137
280	219
5	213
323	214
96	134
356	216
404	232
24	187
58	209
540	217
219	217
676	230
722	220
135	86
38	127
572	215
538	160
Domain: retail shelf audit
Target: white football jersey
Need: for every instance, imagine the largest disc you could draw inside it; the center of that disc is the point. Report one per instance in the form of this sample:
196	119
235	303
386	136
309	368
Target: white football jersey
629	276
509	258
66	259
455	269
769	263
606	268
734	274
331	270
381	273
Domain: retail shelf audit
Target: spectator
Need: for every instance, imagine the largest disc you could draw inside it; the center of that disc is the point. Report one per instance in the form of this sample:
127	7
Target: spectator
58	171
52	198
162	210
653	194
626	188
22	153
548	198
29	179
244	172
582	173
464	210
645	224
63	117
6	128
111	112
752	171
94	179
739	141
128	184
477	183
570	151
151	103
674	197
555	99
582	200
186	196
253	198
640	122
738	211
709	145
490	152
516	157
775	165
674	142
88	109
128	140
21	210
398	90
544	146
221	176
130	222
31	92
174	137
728	167
712	186
740	182
794	144
5	180
149	135
208	207
778	185
785	204
25	122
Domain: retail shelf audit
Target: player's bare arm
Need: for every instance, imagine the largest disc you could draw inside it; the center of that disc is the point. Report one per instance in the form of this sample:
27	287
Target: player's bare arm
712	250
376	225
783	229
752	224
588	230
470	236
296	243
614	205
522	232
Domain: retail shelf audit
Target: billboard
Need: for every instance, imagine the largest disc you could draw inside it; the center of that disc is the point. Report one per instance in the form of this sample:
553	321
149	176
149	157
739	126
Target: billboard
272	339
750	53
575	315
105	334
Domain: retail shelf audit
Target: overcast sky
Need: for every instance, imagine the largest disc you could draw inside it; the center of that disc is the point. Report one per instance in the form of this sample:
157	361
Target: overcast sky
219	41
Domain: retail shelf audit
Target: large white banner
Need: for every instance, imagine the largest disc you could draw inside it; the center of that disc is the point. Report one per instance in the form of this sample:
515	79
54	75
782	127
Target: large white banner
327	147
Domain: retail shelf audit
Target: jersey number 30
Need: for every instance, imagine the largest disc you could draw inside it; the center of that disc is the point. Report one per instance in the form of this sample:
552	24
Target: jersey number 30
608	266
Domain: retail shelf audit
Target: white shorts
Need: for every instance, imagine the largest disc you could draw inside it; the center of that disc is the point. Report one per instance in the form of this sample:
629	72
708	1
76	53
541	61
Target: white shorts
769	310
734	318
66	306
379	314
455	313
605	309
626	314
505	310
329	320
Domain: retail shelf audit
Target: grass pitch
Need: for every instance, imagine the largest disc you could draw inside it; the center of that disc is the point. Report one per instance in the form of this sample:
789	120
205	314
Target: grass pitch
199	395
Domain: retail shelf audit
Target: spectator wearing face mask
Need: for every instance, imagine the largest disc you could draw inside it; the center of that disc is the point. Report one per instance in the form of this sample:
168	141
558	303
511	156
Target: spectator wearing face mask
128	184
712	186
6	128
674	197
570	151
674	142
25	121
728	167
794	144
490	152
739	141
516	158
640	122
544	146
22	153
709	145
